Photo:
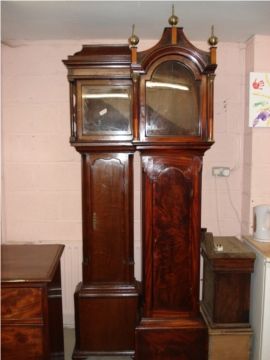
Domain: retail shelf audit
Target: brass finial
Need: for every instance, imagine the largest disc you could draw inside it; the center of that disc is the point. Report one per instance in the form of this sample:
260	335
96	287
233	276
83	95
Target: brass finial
213	40
133	40
173	19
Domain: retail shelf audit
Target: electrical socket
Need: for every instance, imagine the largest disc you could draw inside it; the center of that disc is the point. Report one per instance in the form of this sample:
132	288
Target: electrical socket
221	171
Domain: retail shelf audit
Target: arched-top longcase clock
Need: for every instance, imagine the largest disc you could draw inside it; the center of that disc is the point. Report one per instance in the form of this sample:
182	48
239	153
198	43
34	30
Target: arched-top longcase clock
158	102
174	86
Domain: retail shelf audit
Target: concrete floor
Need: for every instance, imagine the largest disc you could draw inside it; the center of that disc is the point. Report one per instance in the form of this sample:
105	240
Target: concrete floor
69	338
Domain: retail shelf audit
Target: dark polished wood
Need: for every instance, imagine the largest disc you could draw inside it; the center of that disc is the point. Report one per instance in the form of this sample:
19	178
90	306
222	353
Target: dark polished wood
107	223
197	63
31	302
178	339
172	127
171	186
175	131
107	300
109	314
226	286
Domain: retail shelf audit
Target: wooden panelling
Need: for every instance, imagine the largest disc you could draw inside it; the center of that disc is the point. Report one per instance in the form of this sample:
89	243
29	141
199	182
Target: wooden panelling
171	245
22	342
22	304
108	256
171	340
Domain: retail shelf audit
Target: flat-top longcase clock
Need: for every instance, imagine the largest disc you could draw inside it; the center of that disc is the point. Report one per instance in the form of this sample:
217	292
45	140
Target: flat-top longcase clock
106	301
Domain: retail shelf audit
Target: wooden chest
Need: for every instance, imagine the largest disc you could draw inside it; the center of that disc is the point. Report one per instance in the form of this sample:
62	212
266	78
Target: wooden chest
31	312
228	264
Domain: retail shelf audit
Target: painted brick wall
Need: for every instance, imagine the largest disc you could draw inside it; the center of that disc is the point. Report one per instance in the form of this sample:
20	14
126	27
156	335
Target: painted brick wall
256	179
41	182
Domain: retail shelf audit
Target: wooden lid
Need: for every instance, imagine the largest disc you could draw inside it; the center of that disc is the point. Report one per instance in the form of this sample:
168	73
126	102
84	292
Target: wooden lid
217	247
29	263
232	256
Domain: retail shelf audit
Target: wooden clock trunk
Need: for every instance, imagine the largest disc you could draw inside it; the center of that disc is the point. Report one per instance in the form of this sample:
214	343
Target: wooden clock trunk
158	102
106	302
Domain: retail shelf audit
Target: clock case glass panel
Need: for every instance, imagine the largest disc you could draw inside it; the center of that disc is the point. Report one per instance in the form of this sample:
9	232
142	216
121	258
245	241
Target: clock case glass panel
172	101
173	91
104	110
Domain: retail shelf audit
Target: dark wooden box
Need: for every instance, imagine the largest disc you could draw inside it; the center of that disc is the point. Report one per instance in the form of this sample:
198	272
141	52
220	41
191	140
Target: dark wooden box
106	318
228	264
171	339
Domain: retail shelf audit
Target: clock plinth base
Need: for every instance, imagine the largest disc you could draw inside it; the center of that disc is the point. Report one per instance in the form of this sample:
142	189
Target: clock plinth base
105	319
174	339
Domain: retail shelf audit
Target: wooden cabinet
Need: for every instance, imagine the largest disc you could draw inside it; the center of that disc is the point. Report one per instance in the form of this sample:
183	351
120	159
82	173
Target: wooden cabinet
31	302
228	265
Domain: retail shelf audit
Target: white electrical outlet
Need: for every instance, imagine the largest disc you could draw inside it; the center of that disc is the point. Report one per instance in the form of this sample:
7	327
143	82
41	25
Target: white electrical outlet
221	171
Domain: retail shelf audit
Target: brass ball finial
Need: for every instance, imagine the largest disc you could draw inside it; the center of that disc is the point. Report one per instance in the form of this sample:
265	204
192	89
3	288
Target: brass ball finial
133	40
213	40
173	19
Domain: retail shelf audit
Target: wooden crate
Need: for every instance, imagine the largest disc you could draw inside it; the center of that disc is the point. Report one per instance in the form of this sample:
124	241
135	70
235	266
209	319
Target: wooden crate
229	344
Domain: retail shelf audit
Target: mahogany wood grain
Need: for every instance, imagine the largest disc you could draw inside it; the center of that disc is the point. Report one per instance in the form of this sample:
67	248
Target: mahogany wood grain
171	200
107	301
22	304
172	340
31	311
22	342
171	207
105	319
108	210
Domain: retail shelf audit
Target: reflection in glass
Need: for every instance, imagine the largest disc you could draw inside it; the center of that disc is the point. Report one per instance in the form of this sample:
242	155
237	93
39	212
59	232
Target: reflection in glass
172	97
106	109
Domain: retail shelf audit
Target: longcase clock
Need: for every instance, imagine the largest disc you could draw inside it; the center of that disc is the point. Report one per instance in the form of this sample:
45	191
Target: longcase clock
106	301
174	117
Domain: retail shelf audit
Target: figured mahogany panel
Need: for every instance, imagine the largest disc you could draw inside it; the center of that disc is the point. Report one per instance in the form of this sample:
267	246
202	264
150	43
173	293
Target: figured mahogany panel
171	228
22	342
23	303
171	246
108	256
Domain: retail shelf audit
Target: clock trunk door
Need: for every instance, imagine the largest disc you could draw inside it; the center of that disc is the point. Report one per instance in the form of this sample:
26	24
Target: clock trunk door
171	247
107	230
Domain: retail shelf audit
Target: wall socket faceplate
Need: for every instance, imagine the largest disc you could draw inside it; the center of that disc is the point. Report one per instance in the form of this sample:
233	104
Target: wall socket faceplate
221	171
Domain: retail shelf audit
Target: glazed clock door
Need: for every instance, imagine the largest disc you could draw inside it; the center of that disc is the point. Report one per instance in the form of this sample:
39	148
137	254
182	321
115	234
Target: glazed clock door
108	215
178	112
172	222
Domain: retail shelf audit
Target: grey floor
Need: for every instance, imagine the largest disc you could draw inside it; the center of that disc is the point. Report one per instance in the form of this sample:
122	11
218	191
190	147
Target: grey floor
69	338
